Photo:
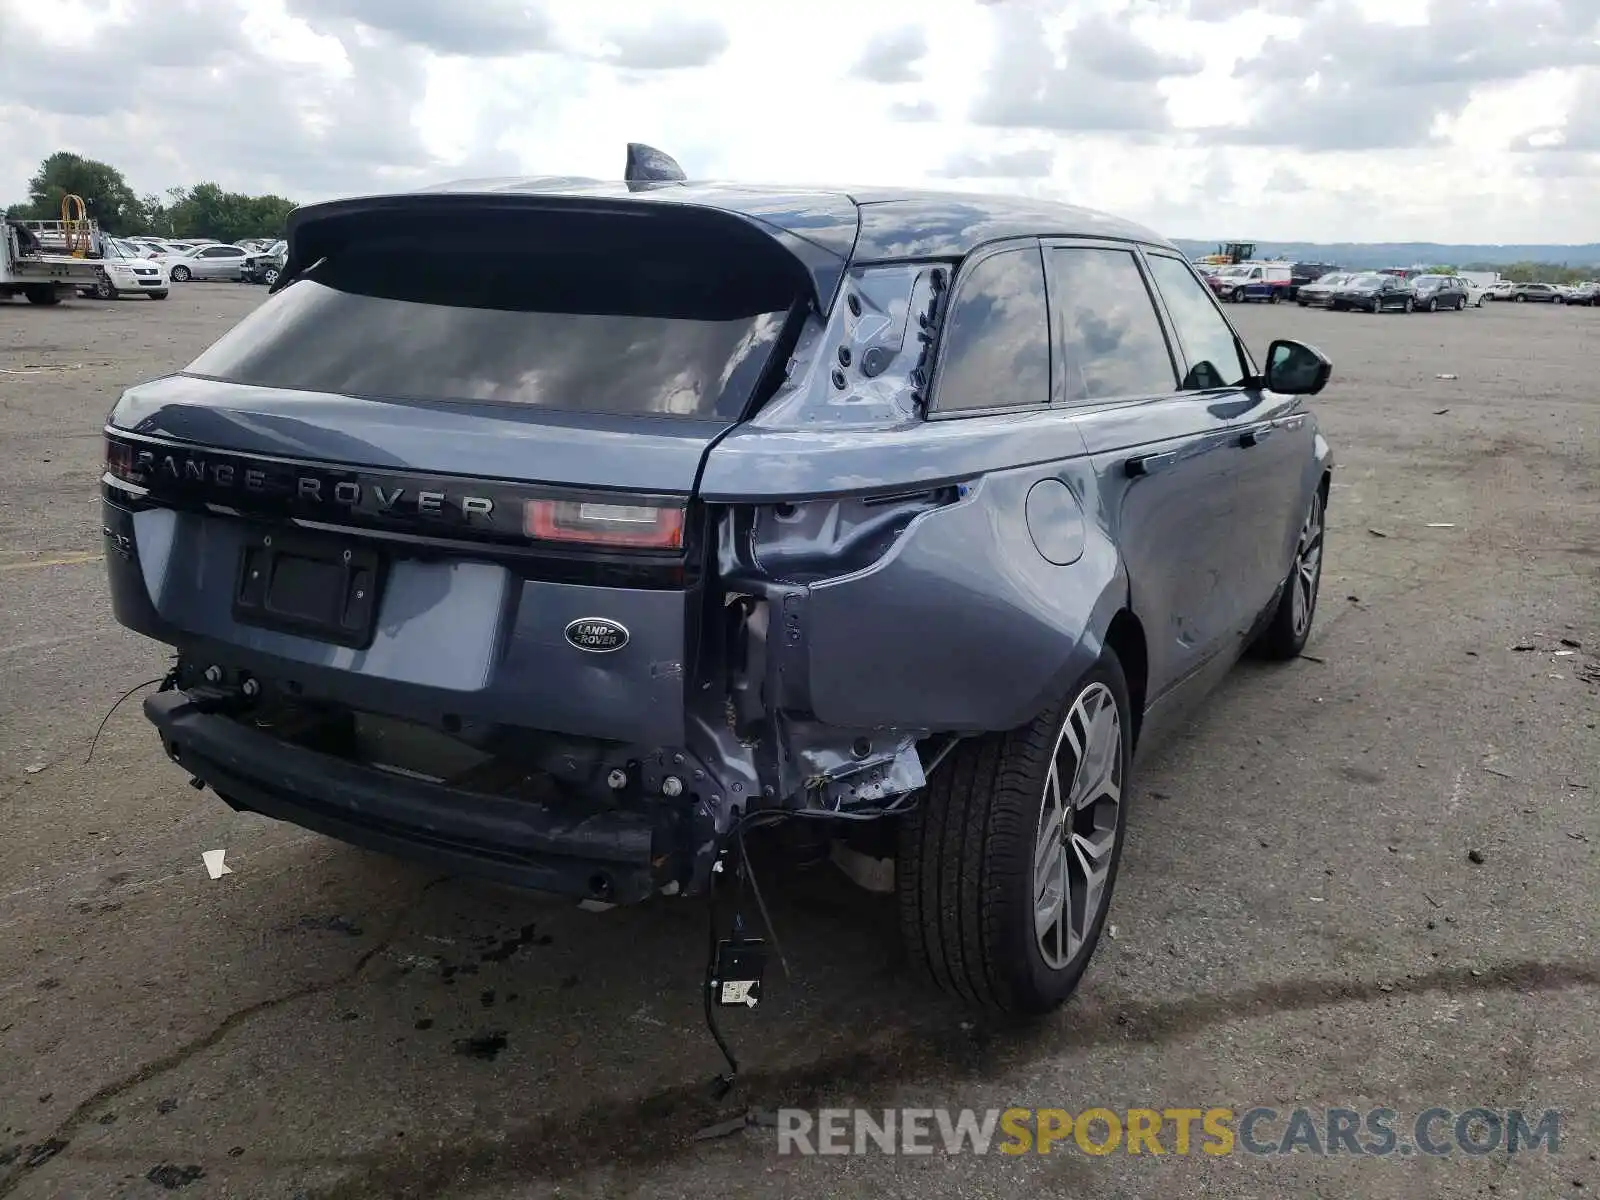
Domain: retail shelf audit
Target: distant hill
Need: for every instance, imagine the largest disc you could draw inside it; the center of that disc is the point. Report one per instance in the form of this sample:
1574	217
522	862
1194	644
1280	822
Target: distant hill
1405	254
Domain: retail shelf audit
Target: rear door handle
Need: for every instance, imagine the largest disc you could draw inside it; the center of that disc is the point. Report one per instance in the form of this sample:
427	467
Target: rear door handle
1254	435
1144	464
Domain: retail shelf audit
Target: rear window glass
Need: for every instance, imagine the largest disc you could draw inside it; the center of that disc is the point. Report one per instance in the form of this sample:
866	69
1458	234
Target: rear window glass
590	332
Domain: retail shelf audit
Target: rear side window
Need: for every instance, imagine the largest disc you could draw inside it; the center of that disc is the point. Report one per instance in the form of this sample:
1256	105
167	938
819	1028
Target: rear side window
1215	360
620	333
997	336
1108	336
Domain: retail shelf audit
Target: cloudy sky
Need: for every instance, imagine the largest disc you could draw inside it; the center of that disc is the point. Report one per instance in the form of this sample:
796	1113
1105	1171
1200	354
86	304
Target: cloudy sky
1368	120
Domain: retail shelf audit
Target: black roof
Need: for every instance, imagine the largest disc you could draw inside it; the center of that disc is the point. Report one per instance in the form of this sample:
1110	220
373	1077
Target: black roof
824	228
861	224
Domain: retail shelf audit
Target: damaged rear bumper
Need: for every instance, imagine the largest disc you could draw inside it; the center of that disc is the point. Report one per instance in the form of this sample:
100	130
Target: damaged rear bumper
618	856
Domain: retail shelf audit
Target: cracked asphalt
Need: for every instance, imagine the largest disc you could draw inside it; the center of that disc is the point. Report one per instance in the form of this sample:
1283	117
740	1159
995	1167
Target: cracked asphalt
1297	923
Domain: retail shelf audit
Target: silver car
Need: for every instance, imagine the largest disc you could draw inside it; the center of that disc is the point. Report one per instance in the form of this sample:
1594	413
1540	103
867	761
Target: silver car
208	262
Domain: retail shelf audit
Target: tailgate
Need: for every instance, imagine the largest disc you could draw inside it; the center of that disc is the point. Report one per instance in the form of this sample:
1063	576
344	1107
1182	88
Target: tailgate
515	427
560	340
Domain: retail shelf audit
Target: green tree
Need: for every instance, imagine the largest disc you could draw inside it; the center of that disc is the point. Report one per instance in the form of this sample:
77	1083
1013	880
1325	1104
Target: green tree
107	198
1537	272
206	210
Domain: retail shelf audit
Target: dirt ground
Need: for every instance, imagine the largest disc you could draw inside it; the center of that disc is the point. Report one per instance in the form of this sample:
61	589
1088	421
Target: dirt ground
1300	919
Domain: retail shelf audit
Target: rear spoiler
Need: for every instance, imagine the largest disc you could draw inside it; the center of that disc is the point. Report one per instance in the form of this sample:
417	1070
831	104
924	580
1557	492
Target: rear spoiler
656	201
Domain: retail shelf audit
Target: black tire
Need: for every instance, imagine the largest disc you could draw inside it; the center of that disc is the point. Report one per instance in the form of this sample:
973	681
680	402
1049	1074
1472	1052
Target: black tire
1520	299
156	295
965	868
42	293
104	289
1433	305
270	276
1461	303
1237	296
1302	303
180	274
1558	299
1285	636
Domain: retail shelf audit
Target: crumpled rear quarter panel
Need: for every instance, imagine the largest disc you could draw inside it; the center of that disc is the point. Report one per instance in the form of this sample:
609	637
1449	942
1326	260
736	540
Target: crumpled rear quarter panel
963	625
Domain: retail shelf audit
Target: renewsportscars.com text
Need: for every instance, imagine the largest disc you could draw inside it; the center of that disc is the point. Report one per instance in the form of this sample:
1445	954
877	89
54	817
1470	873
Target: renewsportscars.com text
1214	1131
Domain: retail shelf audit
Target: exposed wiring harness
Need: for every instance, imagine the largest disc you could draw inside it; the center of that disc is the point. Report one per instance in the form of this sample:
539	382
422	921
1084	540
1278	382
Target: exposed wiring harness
734	838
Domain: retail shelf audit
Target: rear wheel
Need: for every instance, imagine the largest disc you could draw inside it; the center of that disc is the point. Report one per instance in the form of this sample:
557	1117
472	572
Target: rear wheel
1005	870
1433	305
180	274
1237	296
270	276
1407	306
1520	299
104	289
1286	636
42	293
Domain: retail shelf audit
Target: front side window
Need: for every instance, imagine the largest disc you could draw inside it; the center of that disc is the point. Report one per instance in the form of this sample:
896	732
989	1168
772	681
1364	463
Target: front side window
1108	336
1215	357
996	340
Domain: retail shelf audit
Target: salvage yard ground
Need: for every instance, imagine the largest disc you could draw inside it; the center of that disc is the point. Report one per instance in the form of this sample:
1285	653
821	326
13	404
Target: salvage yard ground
1302	917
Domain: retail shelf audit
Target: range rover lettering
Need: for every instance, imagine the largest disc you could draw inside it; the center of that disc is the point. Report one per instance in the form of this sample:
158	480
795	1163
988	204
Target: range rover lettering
663	513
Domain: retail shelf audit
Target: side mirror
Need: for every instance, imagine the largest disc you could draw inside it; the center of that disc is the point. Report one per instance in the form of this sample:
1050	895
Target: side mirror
1295	369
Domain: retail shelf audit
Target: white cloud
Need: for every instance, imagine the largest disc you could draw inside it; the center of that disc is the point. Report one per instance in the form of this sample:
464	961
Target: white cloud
1267	119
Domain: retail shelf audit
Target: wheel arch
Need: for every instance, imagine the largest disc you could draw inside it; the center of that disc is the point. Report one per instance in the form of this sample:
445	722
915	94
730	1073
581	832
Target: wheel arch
1125	638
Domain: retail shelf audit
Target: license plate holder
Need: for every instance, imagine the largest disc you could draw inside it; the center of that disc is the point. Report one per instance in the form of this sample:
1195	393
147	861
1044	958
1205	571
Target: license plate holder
317	587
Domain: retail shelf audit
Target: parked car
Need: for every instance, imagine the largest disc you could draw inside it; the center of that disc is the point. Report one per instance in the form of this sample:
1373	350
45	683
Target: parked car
1320	292
1536	293
124	269
1499	290
1374	292
1303	273
1252	281
1476	292
588	560
1433	292
265	265
210	261
1586	294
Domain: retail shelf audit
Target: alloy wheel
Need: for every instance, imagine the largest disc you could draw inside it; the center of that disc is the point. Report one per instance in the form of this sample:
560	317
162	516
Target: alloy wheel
1077	830
1307	568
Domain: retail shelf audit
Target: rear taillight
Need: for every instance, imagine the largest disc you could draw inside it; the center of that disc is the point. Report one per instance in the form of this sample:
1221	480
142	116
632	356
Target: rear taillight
119	460
583	522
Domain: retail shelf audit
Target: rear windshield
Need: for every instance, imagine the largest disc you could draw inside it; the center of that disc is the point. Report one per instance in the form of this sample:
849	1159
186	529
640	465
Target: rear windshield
584	332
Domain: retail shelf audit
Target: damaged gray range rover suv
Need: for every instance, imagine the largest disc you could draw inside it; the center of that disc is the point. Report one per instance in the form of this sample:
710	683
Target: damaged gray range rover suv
567	553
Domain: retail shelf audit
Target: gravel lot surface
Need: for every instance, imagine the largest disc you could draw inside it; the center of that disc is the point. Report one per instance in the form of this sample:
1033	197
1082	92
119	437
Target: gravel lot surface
1298	921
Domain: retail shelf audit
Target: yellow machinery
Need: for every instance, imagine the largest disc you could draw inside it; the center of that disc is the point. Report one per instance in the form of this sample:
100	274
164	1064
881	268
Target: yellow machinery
75	226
